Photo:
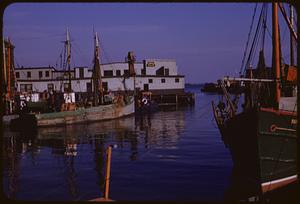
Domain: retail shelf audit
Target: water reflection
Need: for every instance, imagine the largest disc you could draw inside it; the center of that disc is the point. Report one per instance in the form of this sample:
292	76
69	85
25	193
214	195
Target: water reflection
72	146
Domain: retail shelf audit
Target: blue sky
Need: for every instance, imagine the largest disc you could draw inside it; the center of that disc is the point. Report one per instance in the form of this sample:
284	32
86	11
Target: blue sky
206	39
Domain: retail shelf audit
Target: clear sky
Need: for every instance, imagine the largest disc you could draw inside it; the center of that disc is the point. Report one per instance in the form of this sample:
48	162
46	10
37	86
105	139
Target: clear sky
206	39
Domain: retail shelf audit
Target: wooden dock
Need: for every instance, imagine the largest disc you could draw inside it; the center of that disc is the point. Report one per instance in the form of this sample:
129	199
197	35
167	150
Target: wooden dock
181	99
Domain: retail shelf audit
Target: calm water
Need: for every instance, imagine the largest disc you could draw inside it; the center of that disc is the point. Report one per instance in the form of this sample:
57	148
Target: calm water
171	155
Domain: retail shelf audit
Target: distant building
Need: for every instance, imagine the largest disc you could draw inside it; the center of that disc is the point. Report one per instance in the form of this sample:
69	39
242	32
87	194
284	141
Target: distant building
157	76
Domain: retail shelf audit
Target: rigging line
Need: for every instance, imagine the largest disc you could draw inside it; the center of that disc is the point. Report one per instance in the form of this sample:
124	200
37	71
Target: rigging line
249	35
105	54
264	28
59	57
37	38
255	40
79	52
254	46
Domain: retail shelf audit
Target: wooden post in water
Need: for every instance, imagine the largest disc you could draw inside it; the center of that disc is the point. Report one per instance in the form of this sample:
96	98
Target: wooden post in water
107	175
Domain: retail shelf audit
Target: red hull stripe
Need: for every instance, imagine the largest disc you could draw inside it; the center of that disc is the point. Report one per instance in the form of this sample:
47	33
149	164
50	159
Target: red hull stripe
272	185
279	112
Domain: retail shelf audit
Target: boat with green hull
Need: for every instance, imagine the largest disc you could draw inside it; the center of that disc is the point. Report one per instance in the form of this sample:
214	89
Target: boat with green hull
261	136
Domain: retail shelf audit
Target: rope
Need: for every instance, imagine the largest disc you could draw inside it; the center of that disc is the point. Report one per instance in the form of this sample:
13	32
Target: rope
249	35
256	36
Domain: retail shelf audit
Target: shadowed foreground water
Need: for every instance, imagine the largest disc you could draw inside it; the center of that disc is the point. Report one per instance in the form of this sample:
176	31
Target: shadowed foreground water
171	155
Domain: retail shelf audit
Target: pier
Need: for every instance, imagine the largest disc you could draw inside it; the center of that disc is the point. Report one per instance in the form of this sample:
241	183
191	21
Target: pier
182	99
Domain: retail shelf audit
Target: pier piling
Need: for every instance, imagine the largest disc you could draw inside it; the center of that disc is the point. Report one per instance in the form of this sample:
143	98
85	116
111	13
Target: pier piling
107	175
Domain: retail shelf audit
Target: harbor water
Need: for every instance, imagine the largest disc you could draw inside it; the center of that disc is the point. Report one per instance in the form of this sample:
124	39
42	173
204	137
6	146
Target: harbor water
172	155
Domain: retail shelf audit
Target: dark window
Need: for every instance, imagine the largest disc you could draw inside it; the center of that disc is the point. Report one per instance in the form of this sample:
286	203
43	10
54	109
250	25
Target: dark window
160	71
126	72
28	74
47	73
150	81
50	87
22	88
105	86
108	73
177	80
146	87
81	73
17	74
163	80
66	87
40	74
143	72
89	87
28	87
166	72
118	73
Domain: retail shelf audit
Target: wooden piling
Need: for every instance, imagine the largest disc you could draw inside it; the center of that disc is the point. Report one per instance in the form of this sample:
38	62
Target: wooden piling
107	175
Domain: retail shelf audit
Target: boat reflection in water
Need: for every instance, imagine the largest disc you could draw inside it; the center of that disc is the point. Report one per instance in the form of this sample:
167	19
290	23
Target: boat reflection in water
69	161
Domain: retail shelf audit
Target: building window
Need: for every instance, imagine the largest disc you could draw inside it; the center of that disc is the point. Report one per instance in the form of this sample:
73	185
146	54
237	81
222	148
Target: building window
160	71
22	88
163	80
146	87
150	81
143	72
126	72
81	73
177	80
50	87
105	86
46	73
40	74
66	87
17	74
166	72
118	73
108	73
28	74
25	87
89	87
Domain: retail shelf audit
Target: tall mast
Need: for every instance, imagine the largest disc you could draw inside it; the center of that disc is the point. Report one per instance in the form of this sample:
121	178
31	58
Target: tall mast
9	68
97	73
131	61
276	55
68	44
4	62
291	35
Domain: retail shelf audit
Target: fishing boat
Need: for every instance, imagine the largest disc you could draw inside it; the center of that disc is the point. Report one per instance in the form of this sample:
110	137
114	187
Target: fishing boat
261	133
69	112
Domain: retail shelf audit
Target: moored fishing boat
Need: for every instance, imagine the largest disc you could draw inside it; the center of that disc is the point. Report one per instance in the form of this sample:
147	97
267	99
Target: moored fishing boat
262	137
69	112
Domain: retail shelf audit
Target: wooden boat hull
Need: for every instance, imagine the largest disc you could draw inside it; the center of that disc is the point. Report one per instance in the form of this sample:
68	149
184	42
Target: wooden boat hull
97	113
263	145
81	115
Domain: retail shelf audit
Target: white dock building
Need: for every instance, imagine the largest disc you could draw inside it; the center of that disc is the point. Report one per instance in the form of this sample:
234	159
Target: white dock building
156	75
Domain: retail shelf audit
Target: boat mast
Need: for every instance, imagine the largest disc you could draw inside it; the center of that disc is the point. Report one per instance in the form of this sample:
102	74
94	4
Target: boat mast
9	68
4	63
97	73
131	61
291	35
276	55
68	44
